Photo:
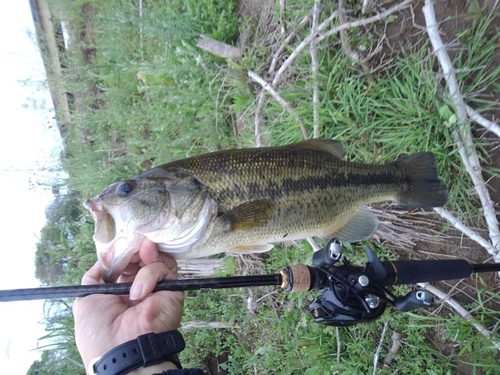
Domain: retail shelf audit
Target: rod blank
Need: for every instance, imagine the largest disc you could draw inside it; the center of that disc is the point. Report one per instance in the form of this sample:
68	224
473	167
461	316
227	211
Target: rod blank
60	292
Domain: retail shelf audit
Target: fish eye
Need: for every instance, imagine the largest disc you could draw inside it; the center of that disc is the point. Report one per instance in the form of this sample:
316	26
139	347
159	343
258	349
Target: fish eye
124	189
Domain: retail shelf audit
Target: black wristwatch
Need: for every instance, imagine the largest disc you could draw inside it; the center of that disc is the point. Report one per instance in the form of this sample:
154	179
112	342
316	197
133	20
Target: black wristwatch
146	350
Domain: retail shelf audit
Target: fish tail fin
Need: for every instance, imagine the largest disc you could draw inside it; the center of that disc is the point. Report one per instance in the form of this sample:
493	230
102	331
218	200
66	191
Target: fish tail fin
425	189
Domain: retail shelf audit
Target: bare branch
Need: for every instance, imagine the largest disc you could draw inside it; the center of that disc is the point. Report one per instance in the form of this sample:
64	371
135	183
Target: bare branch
300	47
343	37
460	310
463	136
282	17
396	345
314	69
258	118
218	48
485	123
339	343
266	86
445	214
379	348
286	42
365	21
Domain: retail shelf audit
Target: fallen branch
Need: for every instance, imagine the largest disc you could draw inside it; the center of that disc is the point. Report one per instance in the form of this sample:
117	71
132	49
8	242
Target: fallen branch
365	21
485	123
300	47
463	136
396	345
474	236
460	310
314	69
318	38
260	98
354	56
217	48
285	43
339	343
379	348
266	86
196	324
258	118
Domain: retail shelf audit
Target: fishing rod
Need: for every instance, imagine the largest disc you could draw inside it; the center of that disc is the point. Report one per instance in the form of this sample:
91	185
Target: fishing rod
349	294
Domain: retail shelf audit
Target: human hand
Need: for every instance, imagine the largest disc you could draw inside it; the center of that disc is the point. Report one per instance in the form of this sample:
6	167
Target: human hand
103	322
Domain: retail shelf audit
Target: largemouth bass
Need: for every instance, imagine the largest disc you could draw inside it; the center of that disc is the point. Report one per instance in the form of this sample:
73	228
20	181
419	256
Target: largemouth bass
244	200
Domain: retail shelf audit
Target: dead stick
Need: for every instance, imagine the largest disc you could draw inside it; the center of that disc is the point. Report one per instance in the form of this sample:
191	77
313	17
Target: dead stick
460	310
379	348
300	47
266	86
365	21
463	136
314	69
485	123
396	345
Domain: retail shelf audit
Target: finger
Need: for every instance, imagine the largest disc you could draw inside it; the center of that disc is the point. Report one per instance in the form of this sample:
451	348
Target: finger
147	278
93	275
129	273
148	252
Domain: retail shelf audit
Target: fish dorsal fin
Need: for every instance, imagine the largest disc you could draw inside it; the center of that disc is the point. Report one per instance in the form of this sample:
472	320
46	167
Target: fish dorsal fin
249	215
327	145
361	226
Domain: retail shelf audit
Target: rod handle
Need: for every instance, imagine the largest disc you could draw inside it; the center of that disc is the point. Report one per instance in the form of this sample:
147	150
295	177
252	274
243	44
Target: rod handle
299	278
419	271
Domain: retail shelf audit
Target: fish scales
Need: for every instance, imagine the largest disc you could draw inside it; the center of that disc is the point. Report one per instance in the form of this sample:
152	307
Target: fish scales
243	200
242	176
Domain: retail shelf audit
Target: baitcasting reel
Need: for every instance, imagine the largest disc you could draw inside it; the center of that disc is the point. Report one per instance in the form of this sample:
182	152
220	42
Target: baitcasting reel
352	294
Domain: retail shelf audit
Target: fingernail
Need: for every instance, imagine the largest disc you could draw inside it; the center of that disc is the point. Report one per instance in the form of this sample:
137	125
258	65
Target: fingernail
136	291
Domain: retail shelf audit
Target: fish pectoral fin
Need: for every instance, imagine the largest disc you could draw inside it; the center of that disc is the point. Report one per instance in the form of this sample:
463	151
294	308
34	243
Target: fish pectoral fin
249	215
360	226
251	248
327	145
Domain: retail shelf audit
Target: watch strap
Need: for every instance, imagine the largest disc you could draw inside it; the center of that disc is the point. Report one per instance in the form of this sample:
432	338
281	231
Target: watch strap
146	350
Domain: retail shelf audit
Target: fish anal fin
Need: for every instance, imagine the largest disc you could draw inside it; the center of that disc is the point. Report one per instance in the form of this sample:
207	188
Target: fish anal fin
360	226
251	248
327	145
249	215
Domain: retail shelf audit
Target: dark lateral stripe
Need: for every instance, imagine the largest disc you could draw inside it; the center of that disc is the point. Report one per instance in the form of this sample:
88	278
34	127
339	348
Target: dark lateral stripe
292	186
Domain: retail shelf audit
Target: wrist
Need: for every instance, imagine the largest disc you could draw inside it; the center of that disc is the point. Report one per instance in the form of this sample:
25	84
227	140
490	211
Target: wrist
156	369
147	354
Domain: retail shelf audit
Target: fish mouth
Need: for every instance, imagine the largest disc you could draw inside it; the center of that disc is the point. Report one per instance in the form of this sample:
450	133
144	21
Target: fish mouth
115	245
112	266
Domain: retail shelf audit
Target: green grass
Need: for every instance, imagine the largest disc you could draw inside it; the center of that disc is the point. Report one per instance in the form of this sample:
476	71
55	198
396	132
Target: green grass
159	98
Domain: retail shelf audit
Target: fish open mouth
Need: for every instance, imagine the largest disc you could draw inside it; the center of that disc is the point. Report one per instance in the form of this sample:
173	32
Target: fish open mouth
105	226
115	246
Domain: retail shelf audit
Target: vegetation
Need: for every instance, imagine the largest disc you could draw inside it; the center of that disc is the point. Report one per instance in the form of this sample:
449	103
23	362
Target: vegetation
144	94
